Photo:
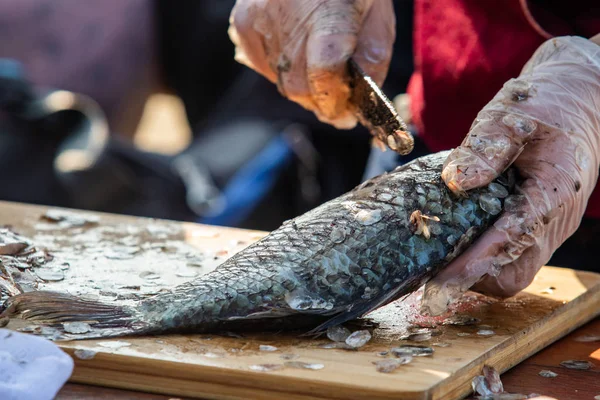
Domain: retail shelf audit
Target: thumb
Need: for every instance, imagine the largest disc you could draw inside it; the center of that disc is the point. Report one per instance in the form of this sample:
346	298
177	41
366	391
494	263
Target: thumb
494	142
330	44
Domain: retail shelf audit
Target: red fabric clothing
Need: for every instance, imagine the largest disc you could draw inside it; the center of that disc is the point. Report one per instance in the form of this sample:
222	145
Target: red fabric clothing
465	50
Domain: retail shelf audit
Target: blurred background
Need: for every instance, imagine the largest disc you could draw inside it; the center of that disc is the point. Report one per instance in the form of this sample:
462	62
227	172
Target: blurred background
137	107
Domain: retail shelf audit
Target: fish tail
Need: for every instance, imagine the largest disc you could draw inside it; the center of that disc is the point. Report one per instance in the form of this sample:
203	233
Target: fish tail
55	309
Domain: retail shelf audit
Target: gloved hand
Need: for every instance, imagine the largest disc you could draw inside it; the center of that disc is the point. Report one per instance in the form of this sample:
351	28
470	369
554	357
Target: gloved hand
303	47
547	124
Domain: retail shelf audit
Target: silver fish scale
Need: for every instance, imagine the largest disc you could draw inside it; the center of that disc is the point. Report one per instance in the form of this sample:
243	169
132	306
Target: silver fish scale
299	269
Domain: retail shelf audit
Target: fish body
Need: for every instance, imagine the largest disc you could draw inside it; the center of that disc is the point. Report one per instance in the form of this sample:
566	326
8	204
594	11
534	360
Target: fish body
335	263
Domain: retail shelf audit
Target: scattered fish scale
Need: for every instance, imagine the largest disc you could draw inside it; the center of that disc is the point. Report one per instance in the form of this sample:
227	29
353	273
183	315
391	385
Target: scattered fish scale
68	219
490	204
30	329
498	190
266	347
489	387
149	275
114	344
338	333
547	374
548	290
12	244
461	320
420	337
186	273
588	338
337	345
504	396
338	234
358	339
84	354
76	327
210	354
303	365
50	275
391	364
492	376
51	333
480	386
14	262
266	367
415	351
577	364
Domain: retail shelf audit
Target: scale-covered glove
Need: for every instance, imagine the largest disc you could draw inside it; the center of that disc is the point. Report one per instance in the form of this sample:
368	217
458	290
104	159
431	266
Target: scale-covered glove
303	47
547	124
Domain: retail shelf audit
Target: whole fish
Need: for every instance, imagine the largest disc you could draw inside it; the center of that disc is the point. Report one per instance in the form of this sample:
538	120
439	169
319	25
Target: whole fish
371	246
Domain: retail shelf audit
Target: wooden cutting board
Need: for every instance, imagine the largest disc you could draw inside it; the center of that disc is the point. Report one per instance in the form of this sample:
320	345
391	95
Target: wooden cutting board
114	258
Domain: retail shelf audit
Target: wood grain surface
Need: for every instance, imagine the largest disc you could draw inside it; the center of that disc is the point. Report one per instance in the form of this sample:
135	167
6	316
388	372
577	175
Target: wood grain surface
523	378
213	366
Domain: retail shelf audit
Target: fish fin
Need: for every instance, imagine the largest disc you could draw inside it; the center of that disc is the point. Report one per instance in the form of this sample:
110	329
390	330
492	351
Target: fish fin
272	313
362	308
53	309
334	321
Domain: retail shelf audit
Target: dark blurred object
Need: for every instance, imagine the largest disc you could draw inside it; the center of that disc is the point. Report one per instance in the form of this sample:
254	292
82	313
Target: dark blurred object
58	148
256	158
61	150
197	64
250	173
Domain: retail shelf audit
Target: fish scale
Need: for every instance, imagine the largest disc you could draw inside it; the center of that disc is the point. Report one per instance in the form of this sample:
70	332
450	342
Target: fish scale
335	263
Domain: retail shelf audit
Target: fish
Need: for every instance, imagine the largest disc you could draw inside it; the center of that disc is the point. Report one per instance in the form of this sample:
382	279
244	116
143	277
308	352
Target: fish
336	263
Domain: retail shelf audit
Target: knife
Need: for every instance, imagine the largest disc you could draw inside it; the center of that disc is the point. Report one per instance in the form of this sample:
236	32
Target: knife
376	112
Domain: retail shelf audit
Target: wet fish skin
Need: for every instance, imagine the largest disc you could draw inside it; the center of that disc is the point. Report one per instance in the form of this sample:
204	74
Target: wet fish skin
335	263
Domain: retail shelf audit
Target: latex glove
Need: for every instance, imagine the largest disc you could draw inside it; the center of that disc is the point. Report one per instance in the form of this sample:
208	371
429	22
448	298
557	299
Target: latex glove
303	47
31	367
547	123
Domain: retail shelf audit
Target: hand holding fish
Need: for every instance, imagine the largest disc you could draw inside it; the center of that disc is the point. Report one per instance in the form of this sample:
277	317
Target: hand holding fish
547	124
303	47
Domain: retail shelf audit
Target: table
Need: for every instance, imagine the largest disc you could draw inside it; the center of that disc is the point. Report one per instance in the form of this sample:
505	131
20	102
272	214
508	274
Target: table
524	378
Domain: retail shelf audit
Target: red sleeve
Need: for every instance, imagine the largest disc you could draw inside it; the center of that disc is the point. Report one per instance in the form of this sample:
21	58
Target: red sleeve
465	50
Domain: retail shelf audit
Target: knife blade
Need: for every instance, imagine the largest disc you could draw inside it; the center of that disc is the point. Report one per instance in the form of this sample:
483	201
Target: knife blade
376	112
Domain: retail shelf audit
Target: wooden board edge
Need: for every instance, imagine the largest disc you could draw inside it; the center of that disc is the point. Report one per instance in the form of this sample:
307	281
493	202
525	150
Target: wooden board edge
554	324
181	387
40	209
580	310
287	387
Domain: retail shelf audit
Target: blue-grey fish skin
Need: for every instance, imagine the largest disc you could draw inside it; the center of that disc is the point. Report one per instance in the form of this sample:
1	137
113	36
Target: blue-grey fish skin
335	263
342	259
